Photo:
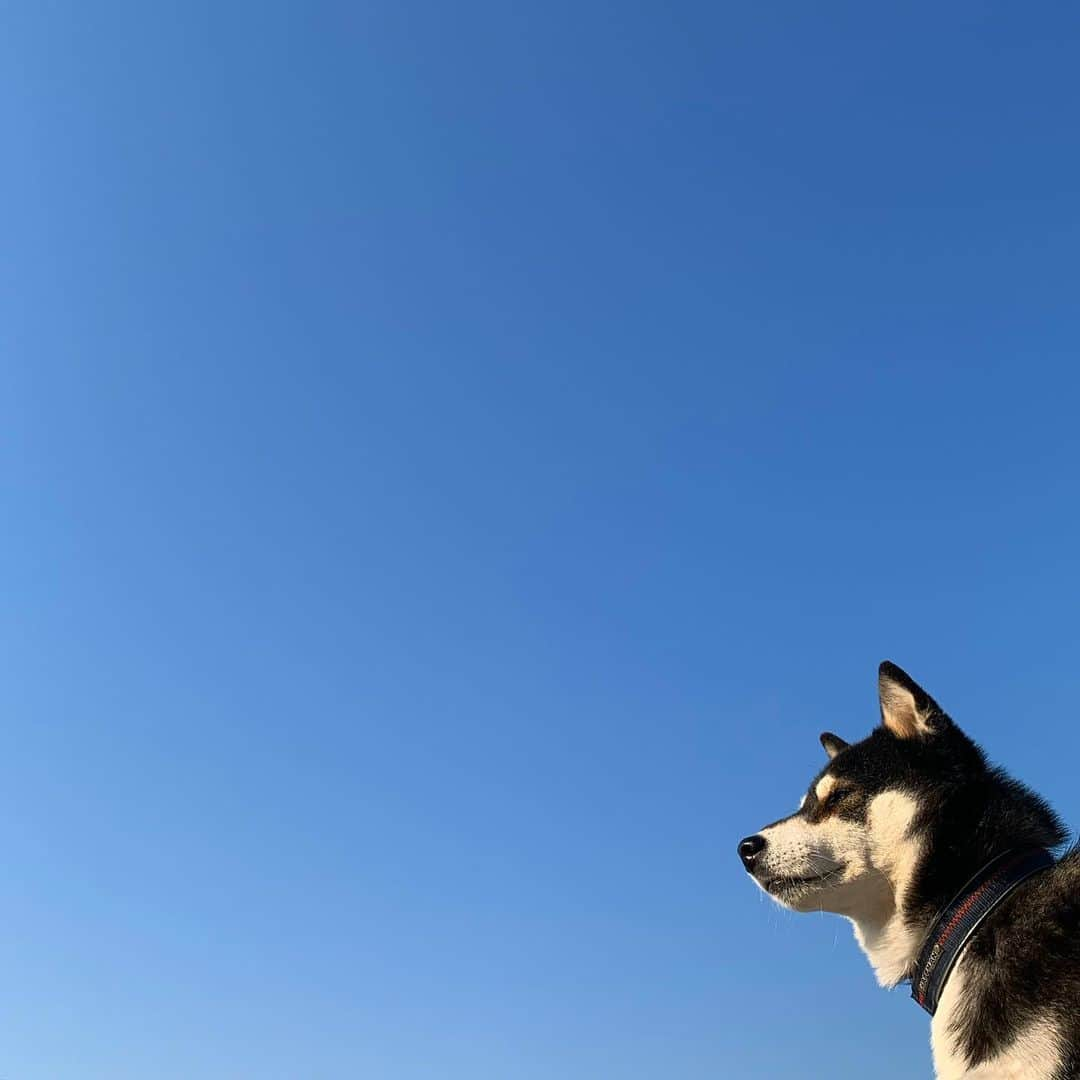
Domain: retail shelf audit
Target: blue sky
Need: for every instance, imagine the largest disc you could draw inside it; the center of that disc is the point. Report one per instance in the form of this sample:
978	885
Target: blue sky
456	458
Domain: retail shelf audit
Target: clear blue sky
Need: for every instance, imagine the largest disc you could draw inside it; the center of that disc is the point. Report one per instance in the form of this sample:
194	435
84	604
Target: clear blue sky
455	460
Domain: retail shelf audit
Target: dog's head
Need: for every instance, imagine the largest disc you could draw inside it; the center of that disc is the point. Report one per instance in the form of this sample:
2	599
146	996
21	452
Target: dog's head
892	826
861	836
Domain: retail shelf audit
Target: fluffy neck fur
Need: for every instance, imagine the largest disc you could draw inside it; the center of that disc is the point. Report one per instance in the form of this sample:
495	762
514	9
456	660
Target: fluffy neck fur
882	928
925	847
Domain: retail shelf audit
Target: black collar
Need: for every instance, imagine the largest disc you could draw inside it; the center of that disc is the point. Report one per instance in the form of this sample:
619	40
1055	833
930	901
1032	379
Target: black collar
953	928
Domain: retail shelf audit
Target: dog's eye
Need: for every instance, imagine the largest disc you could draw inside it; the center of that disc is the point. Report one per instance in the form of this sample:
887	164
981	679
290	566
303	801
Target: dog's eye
838	795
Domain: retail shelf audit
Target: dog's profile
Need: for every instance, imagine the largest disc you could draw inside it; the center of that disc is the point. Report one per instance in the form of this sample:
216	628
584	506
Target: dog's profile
946	868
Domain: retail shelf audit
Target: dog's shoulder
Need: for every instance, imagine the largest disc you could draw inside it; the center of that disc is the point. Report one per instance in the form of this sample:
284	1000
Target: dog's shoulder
1021	971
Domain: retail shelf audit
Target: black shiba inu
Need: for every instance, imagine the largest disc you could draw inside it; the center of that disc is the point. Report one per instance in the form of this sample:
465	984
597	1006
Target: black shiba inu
946	868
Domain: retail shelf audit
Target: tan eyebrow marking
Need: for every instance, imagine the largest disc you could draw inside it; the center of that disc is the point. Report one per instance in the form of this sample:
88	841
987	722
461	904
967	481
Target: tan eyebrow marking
824	787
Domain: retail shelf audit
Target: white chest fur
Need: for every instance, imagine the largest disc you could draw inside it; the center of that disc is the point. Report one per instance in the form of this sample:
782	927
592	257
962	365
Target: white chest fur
1034	1055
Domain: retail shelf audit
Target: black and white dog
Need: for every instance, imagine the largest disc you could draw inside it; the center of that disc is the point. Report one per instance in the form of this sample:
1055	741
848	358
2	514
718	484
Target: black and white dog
945	867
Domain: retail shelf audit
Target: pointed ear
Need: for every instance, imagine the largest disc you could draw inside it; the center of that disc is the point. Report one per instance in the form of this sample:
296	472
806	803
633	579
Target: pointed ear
833	744
907	710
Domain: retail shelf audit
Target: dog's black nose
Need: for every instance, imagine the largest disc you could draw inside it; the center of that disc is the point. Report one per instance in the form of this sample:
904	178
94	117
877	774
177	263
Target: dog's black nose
750	849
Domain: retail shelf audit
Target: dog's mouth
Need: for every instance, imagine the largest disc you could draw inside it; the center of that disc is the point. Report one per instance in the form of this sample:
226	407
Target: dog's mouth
779	886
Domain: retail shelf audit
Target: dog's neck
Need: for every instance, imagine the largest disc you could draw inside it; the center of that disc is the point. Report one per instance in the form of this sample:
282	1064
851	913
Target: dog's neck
895	908
890	943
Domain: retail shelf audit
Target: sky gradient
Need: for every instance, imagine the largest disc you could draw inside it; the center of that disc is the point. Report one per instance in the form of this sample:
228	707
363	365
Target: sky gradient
455	461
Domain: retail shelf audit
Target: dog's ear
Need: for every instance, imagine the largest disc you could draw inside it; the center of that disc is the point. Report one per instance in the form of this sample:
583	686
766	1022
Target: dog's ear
833	744
907	710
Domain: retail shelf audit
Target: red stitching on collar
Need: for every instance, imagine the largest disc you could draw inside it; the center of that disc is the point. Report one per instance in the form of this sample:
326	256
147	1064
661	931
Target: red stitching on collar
966	906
